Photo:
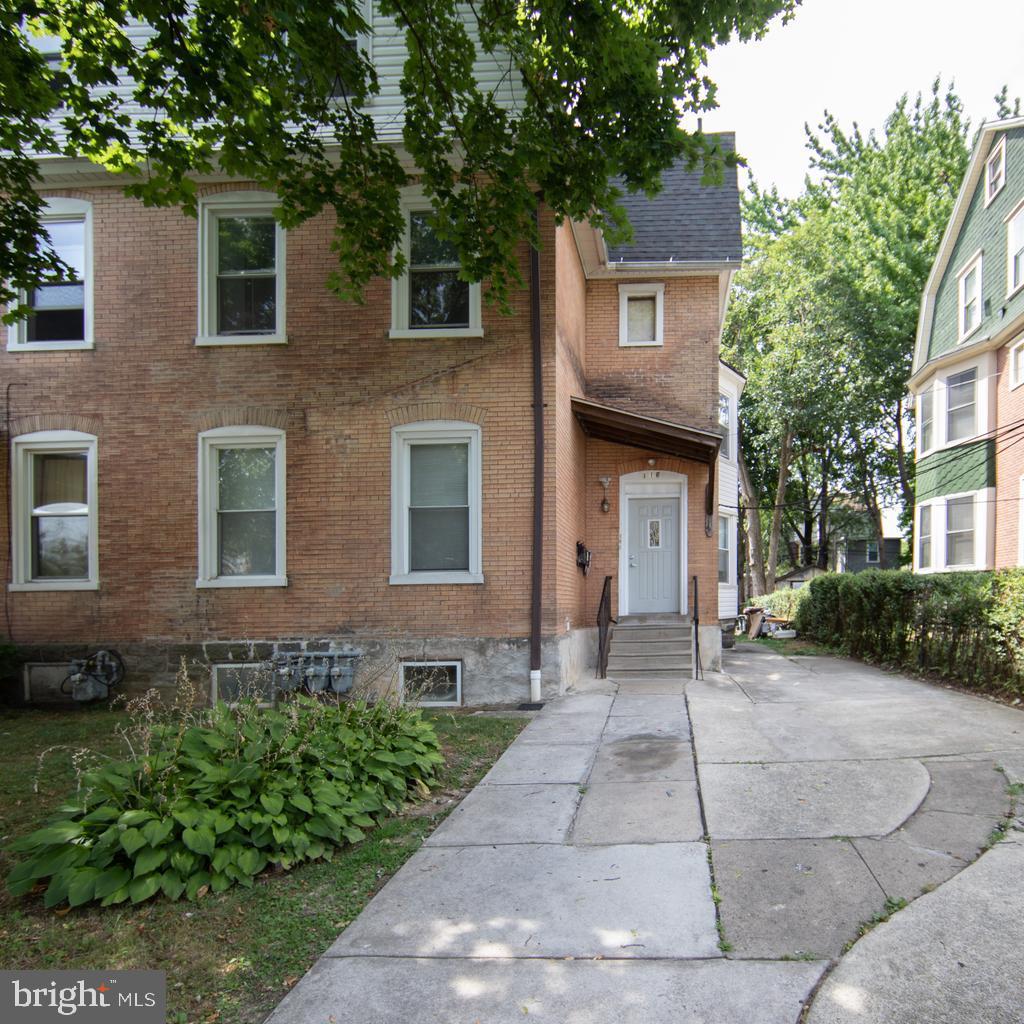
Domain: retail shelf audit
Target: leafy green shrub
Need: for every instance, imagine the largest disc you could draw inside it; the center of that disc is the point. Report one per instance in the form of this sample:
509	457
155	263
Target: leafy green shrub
967	627
783	604
8	661
217	796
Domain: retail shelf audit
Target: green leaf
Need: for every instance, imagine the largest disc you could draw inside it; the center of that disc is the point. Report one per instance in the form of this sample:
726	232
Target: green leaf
187	816
132	840
252	862
132	819
157	832
57	891
273	803
117	896
219	882
303	802
195	882
111	880
149	860
82	886
199	840
62	832
172	885
140	889
353	835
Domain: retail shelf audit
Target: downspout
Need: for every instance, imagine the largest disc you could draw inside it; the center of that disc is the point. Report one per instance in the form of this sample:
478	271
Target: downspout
537	568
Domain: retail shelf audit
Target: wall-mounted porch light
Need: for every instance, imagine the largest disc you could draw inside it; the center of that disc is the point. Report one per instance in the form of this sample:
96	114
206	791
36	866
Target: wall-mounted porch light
605	482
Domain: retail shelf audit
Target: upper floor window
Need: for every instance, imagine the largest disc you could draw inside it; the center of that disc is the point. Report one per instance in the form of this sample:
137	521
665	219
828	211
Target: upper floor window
641	314
961	405
725	421
871	552
54	524
926	430
430	299
1016	360
995	171
969	288
436	503
61	309
242	270
242	507
1015	251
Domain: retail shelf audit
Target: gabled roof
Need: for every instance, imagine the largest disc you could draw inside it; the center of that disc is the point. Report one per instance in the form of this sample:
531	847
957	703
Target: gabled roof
975	169
687	222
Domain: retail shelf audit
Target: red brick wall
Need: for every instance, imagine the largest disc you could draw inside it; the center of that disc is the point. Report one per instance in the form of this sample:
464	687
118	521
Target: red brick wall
1009	462
339	385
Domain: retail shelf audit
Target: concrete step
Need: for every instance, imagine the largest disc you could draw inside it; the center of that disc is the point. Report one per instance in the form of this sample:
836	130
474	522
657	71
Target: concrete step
640	675
631	647
650	664
642	634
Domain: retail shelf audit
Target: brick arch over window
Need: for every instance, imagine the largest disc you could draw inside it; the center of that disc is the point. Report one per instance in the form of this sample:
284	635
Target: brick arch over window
248	416
449	411
55	421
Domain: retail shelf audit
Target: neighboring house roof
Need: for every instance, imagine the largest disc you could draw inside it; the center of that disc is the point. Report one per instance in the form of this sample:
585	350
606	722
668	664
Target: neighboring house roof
686	222
729	366
975	170
803	572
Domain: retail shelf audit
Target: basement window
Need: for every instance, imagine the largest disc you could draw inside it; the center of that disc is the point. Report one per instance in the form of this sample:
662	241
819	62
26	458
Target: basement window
432	683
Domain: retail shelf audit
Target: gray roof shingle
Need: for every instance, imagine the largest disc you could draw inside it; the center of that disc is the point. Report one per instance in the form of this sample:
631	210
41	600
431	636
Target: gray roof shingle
686	222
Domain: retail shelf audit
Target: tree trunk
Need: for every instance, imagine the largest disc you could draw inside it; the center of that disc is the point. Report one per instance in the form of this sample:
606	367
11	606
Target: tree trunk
755	548
785	455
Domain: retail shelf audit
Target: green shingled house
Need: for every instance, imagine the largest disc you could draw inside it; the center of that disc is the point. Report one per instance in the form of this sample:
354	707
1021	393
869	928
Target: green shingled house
968	375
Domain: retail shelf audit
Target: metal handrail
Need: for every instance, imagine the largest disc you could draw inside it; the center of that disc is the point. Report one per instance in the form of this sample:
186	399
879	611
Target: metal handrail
698	668
604	618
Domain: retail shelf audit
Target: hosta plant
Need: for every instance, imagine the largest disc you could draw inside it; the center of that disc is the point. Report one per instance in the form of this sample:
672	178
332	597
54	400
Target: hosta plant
215	798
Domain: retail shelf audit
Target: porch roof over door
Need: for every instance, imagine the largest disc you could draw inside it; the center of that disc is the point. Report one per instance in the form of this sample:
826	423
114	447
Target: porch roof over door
610	424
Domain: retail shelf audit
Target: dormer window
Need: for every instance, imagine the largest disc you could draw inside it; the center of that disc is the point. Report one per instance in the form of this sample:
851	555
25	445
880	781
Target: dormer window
969	290
995	171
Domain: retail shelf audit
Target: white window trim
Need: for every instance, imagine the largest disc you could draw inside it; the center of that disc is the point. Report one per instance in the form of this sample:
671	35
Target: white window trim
730	432
214	691
1011	288
918	537
237	204
976	404
974	262
210	441
730	522
22	450
1016	346
868	560
984	532
59	208
653	290
430	664
998	154
934	390
434	432
415	201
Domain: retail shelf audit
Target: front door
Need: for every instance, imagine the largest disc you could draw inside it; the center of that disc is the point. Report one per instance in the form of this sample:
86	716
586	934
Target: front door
653	555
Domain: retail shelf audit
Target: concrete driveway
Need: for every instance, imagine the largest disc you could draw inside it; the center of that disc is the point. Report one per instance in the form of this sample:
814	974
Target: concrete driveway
705	852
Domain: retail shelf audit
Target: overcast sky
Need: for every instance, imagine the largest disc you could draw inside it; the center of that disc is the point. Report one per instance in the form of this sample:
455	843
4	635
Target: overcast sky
856	58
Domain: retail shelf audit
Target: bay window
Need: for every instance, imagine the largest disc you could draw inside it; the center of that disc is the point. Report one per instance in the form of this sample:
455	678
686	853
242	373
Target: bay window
960	531
961	405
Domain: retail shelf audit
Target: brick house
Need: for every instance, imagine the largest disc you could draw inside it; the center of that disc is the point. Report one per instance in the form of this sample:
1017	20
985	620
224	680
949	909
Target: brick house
212	457
969	368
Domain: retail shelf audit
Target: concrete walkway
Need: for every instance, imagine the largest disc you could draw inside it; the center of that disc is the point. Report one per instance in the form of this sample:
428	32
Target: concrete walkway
618	865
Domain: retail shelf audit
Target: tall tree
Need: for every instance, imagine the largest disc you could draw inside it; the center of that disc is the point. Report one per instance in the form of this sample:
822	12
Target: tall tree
277	92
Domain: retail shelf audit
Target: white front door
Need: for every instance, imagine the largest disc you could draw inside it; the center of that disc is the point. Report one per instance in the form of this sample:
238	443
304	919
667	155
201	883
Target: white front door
653	555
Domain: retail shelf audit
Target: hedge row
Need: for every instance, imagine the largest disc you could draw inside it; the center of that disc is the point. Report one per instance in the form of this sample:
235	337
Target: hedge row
966	627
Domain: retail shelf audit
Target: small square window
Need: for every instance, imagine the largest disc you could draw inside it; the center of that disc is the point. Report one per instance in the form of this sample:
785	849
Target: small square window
233	683
641	315
432	683
995	171
654	533
242	270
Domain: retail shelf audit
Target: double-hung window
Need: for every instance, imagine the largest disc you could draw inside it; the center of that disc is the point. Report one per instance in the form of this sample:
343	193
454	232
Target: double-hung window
926	406
436	503
871	552
241	270
960	531
1016	360
725	421
54	524
242	507
724	549
995	171
61	309
431	299
1015	251
969	291
961	405
924	537
641	315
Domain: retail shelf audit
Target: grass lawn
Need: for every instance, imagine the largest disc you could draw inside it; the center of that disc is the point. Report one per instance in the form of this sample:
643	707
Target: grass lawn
789	648
231	957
